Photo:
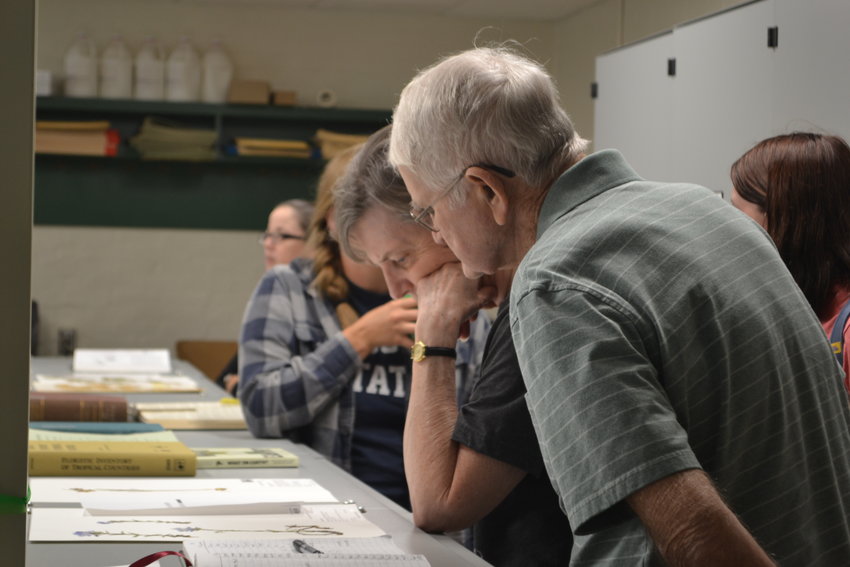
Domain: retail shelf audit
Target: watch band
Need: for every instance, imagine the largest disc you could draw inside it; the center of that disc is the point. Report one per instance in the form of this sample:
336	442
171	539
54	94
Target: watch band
419	352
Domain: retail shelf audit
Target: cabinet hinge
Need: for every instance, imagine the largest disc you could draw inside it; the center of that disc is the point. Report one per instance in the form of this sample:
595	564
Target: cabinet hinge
773	37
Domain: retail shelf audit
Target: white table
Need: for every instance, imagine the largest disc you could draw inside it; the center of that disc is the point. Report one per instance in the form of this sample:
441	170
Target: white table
441	550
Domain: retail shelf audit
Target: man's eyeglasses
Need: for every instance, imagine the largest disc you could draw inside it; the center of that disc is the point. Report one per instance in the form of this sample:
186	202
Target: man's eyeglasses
424	217
278	237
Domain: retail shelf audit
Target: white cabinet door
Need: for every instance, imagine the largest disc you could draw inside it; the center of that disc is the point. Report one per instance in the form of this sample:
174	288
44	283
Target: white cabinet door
812	79
723	92
632	107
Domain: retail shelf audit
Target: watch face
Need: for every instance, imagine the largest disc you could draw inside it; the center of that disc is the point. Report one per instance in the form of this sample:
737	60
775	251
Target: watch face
417	351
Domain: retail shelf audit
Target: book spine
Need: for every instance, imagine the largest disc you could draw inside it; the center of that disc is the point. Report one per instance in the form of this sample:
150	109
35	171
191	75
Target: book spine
113	140
76	408
59	458
98	427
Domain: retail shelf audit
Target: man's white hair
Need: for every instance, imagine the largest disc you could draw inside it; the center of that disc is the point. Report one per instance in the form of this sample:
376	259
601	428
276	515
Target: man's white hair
483	106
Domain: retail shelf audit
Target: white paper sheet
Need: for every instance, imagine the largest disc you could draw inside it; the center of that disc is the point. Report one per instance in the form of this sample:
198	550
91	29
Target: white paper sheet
367	552
122	360
114	383
147	436
224	414
314	521
72	490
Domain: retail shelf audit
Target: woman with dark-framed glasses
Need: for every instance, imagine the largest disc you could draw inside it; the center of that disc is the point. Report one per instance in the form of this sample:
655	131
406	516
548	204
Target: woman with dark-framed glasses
284	239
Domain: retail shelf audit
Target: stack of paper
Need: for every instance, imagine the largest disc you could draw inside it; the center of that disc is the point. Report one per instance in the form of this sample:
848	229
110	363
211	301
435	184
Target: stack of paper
128	383
156	360
224	414
94	138
118	370
333	143
249	522
273	148
159	139
174	509
343	552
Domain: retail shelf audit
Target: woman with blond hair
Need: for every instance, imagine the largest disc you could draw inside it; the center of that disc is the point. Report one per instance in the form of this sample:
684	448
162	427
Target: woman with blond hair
324	355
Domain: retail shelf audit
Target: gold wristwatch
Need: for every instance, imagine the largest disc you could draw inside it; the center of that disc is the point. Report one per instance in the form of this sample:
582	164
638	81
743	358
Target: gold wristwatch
418	352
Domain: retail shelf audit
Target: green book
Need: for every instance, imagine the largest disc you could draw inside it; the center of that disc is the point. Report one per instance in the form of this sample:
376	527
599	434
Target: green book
244	457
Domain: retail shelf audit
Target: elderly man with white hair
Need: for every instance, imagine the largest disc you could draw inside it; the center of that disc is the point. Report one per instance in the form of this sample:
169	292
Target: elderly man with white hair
688	407
477	464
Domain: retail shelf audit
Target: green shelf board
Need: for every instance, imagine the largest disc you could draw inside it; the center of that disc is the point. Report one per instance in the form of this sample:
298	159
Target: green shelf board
83	191
294	113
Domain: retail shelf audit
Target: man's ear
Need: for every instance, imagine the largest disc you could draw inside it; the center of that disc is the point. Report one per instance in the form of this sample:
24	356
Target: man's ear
493	189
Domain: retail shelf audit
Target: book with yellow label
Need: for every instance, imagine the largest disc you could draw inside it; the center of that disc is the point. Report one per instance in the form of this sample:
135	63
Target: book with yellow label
156	453
104	458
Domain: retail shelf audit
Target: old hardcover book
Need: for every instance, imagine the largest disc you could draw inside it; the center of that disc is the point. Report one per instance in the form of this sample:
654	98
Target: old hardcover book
244	457
56	406
107	458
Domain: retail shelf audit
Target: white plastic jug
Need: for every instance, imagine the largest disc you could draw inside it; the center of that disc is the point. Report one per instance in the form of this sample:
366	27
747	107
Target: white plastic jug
183	73
150	71
81	67
116	70
218	71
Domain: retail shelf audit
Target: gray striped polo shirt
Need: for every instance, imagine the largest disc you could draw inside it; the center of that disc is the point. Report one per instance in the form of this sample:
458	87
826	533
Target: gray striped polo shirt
658	330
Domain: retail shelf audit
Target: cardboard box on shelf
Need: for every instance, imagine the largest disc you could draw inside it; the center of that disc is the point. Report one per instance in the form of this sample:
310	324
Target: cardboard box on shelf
284	98
248	92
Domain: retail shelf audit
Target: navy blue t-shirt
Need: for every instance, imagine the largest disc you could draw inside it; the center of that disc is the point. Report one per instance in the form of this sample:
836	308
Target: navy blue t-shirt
380	405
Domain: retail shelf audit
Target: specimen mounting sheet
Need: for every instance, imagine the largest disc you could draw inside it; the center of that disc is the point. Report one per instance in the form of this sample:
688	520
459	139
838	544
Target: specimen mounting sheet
315	520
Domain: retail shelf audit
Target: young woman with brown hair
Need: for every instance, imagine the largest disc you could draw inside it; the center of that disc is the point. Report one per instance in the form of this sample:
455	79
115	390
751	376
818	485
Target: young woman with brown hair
797	187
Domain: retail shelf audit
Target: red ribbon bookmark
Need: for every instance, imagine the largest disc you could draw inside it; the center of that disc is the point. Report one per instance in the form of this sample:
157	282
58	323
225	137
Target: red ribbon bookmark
147	560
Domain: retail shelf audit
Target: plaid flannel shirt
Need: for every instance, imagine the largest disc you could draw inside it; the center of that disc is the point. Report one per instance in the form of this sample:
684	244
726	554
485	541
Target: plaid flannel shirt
296	367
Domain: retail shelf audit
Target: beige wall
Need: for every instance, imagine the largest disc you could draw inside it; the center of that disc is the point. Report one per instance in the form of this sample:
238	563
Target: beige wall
642	18
141	287
576	42
135	288
364	57
138	288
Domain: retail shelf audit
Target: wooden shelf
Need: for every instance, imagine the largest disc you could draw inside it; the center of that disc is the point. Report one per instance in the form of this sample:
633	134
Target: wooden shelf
230	192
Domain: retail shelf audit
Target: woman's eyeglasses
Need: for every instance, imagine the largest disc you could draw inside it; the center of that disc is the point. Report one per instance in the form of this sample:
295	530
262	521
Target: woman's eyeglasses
278	237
